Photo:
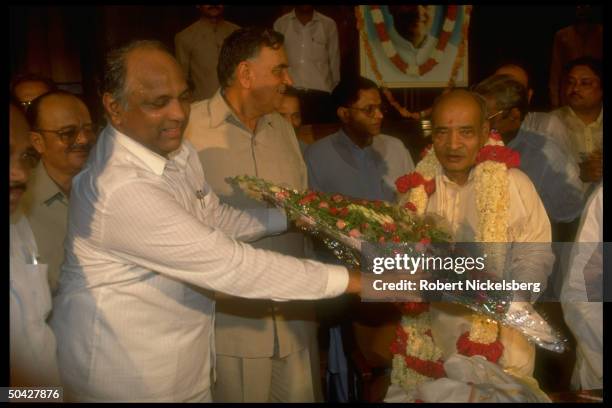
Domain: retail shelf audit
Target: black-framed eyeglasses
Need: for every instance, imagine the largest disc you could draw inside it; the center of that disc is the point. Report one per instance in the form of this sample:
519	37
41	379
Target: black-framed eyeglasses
69	134
370	110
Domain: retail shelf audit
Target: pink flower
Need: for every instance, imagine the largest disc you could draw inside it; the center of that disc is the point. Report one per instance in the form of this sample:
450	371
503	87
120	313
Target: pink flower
340	224
323	204
337	198
389	227
355	233
381	239
282	195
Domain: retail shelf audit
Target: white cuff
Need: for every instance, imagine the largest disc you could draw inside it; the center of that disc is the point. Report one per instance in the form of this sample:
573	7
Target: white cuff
337	280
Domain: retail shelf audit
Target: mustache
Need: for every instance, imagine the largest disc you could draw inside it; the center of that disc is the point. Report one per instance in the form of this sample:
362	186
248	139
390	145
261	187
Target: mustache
80	147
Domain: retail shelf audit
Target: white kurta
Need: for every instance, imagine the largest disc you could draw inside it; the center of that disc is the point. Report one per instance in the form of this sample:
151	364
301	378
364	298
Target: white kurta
585	318
147	242
528	223
33	346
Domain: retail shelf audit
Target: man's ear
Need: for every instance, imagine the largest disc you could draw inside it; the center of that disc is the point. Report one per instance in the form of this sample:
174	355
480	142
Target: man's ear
113	108
38	142
244	74
529	96
486	128
343	114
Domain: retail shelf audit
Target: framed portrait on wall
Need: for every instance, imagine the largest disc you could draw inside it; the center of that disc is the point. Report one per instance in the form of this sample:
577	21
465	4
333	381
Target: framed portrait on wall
414	46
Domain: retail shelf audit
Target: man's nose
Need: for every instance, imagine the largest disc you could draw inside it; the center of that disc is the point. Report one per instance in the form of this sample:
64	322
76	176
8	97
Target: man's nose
178	110
287	79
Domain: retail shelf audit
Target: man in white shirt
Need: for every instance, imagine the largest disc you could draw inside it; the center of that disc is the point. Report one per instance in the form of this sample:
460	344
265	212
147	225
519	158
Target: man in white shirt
148	243
266	352
460	129
581	296
32	343
197	49
311	41
583	116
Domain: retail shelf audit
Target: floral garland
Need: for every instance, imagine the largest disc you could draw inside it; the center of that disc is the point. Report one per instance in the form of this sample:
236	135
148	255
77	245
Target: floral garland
416	358
398	61
373	64
491	179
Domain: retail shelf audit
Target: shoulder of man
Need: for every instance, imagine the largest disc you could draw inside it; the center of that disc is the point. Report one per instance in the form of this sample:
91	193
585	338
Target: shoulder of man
319	148
282	21
188	32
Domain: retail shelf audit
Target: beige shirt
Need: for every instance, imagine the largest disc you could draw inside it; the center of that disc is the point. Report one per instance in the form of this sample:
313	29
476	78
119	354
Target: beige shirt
582	139
312	50
226	147
46	206
528	223
197	50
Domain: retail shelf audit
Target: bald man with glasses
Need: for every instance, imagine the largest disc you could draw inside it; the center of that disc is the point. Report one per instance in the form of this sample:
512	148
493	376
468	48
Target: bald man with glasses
63	134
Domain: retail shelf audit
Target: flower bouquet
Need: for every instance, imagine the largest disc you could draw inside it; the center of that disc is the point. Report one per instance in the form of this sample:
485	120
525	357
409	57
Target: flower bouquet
357	230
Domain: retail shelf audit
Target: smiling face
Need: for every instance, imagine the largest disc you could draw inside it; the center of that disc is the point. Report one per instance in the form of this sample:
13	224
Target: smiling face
267	78
458	134
61	114
157	101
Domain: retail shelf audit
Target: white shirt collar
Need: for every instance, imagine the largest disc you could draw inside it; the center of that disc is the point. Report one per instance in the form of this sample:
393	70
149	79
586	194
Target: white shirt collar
155	162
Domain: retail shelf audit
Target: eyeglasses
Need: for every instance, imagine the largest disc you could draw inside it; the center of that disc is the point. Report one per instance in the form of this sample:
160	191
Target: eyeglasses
370	110
69	134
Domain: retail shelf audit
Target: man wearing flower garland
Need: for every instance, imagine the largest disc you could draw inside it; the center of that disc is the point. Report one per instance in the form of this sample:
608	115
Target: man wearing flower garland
485	200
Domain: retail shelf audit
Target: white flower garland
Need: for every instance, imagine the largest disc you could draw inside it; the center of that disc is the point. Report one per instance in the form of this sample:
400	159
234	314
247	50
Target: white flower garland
491	185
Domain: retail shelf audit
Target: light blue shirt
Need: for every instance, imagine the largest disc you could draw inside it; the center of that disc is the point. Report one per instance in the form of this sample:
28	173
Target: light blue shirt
555	177
336	165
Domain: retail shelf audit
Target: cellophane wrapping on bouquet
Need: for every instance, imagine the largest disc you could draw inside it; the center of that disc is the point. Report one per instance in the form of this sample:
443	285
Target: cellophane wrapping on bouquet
358	230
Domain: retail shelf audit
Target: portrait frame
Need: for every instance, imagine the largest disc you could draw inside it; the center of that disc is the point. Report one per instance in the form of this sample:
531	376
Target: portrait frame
390	59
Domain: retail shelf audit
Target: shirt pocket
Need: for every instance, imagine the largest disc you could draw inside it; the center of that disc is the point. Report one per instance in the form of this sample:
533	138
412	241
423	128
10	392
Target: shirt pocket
38	292
318	47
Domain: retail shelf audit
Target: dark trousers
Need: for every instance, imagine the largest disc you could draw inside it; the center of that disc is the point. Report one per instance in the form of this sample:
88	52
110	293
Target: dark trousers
317	107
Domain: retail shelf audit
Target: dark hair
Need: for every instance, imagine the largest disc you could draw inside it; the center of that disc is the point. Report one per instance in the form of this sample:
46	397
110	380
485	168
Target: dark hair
241	45
347	91
33	112
507	92
478	99
29	77
115	70
593	63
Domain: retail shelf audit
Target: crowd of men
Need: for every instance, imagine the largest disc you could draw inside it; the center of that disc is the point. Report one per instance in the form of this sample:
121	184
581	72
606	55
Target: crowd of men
139	274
